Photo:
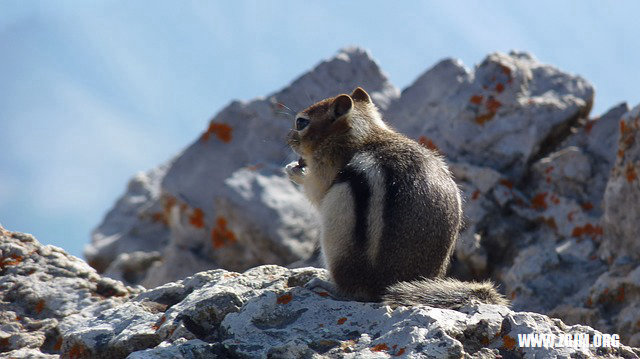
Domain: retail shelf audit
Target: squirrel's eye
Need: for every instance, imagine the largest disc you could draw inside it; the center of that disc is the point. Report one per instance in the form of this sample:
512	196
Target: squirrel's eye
301	123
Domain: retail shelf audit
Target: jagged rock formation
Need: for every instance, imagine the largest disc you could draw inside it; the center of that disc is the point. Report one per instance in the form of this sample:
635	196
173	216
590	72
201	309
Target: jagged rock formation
54	305
550	194
40	287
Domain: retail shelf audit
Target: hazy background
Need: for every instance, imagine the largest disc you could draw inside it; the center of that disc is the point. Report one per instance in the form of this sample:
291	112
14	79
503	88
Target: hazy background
92	92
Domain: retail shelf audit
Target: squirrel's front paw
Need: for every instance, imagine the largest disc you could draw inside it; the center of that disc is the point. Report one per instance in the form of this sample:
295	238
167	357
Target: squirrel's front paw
296	171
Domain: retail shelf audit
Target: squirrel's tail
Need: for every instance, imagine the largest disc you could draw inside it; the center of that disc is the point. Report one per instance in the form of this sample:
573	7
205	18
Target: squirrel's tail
446	293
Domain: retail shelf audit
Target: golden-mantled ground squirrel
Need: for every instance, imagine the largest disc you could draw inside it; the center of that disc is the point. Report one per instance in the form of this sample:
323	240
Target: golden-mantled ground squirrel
389	209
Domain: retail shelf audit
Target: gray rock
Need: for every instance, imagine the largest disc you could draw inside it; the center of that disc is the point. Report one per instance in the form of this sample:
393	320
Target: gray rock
499	115
137	222
268	312
622	194
568	259
40	286
133	267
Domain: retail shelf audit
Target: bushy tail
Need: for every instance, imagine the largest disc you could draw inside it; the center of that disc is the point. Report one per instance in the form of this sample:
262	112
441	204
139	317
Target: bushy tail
446	293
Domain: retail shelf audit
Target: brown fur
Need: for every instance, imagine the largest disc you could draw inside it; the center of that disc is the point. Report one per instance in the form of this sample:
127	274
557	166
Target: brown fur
390	210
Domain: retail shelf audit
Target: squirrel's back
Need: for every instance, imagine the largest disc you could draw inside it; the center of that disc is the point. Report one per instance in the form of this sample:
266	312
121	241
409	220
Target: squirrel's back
404	222
390	211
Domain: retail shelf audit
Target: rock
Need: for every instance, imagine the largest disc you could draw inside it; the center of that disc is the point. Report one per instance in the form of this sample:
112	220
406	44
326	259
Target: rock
622	195
132	267
267	312
224	201
566	187
40	286
500	115
134	224
476	184
567	266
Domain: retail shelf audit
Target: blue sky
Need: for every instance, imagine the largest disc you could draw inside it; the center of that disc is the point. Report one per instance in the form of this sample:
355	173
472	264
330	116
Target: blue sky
93	92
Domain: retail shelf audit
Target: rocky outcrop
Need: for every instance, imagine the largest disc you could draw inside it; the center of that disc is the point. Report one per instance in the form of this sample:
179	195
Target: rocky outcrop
40	287
550	194
622	195
500	115
54	305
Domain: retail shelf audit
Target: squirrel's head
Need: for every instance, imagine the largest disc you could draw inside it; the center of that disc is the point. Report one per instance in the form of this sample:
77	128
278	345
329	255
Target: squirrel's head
341	120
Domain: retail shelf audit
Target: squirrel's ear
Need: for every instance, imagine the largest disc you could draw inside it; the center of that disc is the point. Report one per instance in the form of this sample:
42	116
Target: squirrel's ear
342	105
360	94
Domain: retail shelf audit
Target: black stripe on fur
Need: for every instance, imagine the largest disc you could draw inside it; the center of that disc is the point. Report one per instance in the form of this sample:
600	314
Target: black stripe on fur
359	185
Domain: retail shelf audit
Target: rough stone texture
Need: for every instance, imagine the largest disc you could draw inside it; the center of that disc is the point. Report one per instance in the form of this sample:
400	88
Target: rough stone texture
268	312
133	224
498	115
224	201
40	286
622	196
54	305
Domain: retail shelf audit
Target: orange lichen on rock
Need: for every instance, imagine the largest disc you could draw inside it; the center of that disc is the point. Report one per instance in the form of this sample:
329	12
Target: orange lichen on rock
539	201
284	299
506	183
476	99
163	217
475	195
508	342
588	230
588	303
554	199
11	260
169	202
220	235
221	130
551	222
77	351
380	347
157	325
39	306
587	206
197	218
499	87
506	70
159	217
627	137
589	126
426	142
400	352
623	127
493	105
58	344
620	295
630	172
342	320
481	119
